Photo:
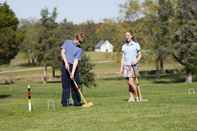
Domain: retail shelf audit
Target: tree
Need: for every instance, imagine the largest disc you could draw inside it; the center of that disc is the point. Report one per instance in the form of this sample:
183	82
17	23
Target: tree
30	43
158	17
49	41
66	29
87	76
131	10
42	41
162	36
8	27
185	38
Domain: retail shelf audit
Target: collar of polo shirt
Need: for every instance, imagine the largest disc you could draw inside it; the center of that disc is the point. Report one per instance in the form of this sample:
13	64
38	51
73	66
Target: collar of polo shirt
130	43
74	43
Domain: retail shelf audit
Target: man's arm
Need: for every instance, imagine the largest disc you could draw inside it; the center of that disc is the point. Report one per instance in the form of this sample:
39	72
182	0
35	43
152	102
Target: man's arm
64	59
76	61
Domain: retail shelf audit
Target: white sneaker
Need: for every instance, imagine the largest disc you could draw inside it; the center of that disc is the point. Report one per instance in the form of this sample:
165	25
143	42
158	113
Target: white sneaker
131	99
137	99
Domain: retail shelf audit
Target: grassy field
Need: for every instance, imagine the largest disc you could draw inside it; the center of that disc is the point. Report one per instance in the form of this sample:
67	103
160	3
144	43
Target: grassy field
170	108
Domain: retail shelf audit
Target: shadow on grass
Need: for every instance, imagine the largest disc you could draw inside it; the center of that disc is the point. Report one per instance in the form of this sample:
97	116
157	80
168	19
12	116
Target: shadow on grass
125	99
6	82
168	81
166	77
112	78
27	65
54	81
4	96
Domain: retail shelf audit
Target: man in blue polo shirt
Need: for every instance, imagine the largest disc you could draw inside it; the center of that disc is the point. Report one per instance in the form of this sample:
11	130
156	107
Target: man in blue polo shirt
131	55
71	55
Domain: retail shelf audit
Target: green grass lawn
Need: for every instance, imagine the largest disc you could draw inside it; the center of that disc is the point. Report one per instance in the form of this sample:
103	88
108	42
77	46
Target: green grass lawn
99	56
170	108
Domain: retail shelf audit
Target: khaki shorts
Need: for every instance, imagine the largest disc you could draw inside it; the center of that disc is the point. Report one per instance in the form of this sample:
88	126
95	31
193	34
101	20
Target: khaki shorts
130	71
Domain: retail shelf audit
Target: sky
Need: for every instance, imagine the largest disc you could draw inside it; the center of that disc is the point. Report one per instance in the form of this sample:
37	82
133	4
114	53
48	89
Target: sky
77	11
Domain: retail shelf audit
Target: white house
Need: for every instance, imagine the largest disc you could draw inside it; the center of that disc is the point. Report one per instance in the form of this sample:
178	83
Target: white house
104	46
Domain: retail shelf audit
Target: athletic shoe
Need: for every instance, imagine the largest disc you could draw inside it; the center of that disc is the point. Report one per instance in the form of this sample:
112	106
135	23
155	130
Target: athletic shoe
131	99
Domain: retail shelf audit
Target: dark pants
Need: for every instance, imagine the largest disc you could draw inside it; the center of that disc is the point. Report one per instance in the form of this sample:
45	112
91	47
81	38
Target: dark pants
68	87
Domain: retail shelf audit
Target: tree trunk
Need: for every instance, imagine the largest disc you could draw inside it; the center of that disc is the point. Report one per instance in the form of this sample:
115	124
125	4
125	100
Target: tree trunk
34	60
53	72
157	68
29	61
45	74
157	64
161	64
188	78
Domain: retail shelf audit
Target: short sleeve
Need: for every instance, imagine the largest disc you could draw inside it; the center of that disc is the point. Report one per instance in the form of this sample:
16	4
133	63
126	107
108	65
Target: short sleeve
78	54
64	45
138	48
123	48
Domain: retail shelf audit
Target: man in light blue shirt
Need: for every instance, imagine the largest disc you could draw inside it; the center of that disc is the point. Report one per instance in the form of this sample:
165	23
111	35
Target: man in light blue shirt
71	55
131	55
72	52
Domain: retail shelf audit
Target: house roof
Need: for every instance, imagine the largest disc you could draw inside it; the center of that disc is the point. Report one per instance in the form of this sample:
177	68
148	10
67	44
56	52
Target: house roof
101	42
